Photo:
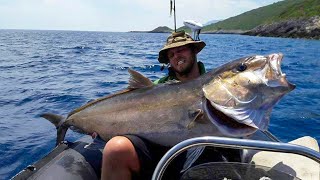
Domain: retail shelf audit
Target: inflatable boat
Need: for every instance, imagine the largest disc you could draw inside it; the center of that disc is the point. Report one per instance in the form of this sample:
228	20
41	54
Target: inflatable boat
263	158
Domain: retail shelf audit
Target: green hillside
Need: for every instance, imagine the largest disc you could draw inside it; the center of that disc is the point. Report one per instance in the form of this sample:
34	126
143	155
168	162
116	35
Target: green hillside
283	10
162	29
184	28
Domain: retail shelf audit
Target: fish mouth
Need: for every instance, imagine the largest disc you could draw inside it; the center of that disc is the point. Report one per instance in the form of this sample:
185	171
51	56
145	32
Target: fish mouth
226	124
275	77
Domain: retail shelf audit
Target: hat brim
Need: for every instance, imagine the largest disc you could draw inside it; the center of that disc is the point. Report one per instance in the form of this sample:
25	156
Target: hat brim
198	46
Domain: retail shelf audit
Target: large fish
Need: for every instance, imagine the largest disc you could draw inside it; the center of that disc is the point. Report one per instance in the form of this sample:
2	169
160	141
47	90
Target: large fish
233	100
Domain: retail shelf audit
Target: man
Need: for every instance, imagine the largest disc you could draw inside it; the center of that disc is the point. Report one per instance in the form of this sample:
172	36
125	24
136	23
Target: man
126	157
180	53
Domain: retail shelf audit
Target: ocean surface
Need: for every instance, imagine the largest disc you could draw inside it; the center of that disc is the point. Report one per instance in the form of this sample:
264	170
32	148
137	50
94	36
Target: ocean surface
58	71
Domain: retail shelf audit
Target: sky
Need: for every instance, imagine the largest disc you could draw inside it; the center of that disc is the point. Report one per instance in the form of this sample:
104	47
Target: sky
116	15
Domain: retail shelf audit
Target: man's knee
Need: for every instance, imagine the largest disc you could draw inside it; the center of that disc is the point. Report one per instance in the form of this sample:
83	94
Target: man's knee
118	145
120	150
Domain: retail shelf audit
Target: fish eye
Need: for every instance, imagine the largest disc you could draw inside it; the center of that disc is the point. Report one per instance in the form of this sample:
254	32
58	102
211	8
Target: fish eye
241	67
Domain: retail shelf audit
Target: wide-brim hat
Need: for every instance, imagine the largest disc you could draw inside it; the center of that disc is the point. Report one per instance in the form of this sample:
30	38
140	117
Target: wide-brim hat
178	39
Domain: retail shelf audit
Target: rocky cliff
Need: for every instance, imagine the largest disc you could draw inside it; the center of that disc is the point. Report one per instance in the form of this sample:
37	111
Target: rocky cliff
299	28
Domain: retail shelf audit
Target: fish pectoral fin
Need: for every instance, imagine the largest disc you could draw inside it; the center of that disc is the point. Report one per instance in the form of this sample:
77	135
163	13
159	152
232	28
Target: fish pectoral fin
195	115
192	155
138	80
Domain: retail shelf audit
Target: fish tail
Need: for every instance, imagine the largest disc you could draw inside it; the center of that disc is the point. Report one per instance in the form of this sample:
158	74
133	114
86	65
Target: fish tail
61	133
57	121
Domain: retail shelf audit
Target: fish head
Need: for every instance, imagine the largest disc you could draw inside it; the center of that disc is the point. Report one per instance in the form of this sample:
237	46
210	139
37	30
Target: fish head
241	94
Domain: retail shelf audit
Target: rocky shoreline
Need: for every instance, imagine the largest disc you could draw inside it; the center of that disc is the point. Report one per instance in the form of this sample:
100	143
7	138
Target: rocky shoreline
160	29
308	28
224	32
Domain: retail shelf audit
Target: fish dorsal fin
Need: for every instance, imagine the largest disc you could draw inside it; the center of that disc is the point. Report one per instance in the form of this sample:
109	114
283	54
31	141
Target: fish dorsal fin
137	80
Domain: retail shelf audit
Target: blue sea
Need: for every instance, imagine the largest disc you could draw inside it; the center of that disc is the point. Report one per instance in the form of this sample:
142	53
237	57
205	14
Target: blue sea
58	71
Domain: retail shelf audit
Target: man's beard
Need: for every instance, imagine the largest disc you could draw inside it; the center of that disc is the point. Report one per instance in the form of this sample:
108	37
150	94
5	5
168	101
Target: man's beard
188	68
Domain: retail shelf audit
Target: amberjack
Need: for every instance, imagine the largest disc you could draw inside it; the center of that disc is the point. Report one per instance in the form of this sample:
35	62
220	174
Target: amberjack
233	100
